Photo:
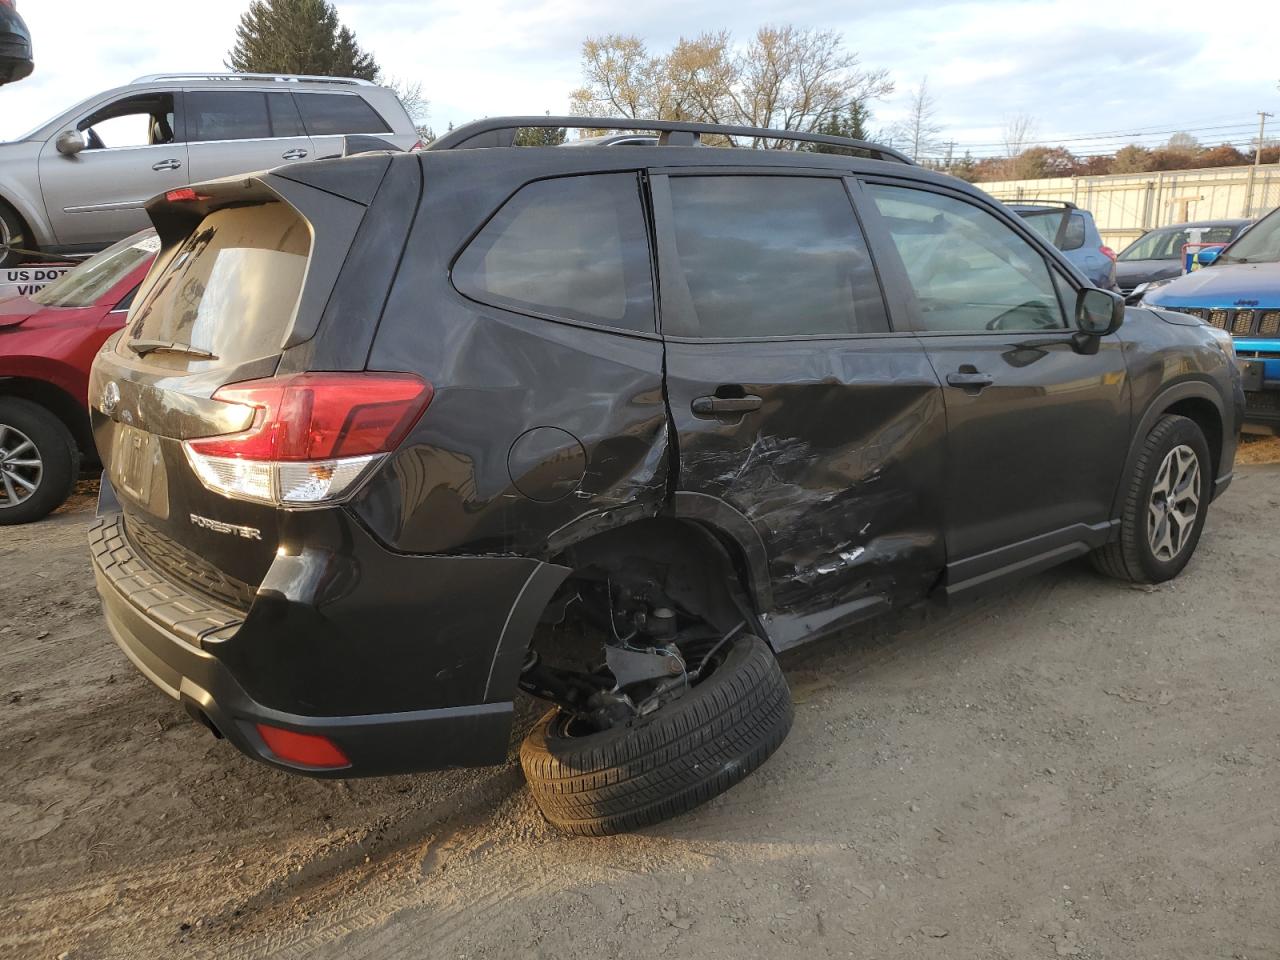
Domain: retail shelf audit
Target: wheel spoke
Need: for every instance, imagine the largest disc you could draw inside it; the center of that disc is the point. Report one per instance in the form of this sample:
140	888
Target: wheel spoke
23	447
11	495
14	475
21	463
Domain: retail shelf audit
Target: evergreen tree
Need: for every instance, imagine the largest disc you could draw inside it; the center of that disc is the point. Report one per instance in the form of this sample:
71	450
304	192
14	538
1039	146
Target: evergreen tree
298	36
852	123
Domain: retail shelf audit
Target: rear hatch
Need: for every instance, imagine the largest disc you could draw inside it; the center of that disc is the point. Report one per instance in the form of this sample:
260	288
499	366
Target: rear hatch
196	392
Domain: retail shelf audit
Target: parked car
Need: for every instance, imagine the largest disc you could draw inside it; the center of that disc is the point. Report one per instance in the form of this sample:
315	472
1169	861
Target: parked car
1072	231
683	408
16	58
1159	254
80	181
1237	290
47	342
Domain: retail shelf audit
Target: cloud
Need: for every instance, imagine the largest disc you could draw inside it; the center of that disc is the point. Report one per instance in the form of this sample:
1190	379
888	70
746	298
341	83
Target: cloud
1079	67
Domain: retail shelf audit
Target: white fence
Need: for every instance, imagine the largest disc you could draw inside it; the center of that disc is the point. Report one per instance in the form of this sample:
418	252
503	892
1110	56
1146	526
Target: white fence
1127	204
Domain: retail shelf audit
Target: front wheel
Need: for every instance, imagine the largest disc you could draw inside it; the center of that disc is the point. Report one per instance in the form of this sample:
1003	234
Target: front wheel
597	782
1164	507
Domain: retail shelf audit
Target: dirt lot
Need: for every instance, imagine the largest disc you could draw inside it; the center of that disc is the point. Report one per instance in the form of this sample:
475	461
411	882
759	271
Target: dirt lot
1073	768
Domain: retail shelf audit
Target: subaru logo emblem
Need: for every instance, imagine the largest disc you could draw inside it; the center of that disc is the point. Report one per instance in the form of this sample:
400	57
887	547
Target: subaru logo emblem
110	397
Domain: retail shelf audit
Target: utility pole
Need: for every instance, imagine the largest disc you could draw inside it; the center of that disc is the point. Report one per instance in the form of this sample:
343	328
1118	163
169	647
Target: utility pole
1257	159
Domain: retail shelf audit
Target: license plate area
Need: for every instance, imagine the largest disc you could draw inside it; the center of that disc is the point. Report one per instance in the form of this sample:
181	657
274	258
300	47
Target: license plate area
1253	373
137	469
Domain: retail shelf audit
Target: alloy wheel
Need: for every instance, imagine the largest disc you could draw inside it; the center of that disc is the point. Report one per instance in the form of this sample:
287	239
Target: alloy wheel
21	467
1174	503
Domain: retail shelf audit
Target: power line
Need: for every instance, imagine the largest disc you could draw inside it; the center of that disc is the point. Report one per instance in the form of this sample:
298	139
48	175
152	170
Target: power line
1233	129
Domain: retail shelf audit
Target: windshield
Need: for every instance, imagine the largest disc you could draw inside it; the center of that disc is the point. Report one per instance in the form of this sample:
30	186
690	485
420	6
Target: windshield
228	293
83	286
1261	244
1166	244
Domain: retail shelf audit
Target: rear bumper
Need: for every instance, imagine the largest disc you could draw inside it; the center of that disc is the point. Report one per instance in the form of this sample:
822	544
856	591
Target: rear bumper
173	636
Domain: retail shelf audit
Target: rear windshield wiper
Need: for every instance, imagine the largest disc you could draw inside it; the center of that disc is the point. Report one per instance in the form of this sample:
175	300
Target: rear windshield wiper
143	347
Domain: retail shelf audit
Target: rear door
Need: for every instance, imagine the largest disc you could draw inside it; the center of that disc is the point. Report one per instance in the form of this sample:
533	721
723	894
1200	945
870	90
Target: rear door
1038	420
795	404
242	131
328	117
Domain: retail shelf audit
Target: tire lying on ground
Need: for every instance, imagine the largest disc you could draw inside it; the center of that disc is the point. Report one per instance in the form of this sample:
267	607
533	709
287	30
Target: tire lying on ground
596	783
1166	498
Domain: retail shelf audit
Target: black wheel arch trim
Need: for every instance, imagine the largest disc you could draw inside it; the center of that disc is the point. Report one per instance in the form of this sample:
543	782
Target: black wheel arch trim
1158	407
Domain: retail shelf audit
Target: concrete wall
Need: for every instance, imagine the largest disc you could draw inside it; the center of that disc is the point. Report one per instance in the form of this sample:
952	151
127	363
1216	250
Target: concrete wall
1128	204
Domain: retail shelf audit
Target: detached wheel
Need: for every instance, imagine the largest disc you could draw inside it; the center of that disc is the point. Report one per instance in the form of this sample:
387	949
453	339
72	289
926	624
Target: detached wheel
595	783
39	461
1164	508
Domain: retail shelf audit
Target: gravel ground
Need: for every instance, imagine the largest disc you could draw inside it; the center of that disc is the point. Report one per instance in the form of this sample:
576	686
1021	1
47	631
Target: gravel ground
1073	768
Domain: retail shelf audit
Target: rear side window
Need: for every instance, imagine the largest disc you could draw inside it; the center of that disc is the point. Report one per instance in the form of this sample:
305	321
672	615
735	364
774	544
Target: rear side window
326	114
1073	239
769	257
574	247
230	290
285	121
226	115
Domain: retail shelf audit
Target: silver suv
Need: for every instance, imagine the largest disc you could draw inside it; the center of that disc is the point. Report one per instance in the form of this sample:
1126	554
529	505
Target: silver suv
78	182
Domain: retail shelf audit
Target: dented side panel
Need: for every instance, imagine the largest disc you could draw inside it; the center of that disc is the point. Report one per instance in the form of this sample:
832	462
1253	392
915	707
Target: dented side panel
840	470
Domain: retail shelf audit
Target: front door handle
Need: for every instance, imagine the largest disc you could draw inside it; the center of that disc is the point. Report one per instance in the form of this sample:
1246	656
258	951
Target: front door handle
725	406
170	164
297	153
970	378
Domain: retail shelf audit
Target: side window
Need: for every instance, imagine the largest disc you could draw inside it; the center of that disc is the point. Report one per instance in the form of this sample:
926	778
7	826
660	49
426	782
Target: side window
140	121
770	257
1073	239
970	272
574	247
326	114
226	115
285	121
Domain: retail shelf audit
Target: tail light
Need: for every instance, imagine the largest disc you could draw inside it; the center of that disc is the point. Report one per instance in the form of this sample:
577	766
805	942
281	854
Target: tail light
314	436
1107	252
417	147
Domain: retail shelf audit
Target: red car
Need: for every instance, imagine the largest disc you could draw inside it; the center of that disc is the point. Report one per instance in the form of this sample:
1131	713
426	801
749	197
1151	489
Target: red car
47	342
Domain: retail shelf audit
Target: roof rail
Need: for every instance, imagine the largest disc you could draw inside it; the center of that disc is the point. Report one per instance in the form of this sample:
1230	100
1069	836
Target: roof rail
281	77
501	132
1032	202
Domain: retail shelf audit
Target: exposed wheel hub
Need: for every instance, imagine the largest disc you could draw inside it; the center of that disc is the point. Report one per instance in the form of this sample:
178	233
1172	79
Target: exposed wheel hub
20	467
1175	503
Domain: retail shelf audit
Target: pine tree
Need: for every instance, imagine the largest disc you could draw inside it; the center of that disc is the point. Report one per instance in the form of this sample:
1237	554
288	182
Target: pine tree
540	136
298	36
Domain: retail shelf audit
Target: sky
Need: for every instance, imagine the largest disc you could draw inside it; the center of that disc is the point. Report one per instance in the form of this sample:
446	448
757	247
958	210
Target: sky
1092	73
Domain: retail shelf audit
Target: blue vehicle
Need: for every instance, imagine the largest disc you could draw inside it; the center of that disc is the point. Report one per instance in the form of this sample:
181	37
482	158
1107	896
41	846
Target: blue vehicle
1072	231
1238	289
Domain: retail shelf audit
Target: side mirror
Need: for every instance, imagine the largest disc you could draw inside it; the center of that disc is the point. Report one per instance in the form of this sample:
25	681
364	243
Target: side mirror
69	142
1099	312
1207	255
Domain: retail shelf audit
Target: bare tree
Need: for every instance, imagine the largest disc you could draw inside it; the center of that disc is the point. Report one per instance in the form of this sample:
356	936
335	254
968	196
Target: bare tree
415	103
920	129
1019	130
785	78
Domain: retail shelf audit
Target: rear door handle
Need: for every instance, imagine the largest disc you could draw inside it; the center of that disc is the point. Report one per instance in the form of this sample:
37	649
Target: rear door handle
970	379
297	153
725	406
170	164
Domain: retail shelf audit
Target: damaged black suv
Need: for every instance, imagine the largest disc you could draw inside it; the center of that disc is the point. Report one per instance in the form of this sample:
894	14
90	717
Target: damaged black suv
391	437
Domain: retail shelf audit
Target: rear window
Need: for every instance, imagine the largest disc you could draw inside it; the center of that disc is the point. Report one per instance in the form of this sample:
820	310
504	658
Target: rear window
95	278
326	114
230	290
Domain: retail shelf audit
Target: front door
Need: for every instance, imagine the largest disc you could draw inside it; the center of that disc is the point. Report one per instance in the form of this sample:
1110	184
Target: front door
797	410
242	131
1038	417
133	152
